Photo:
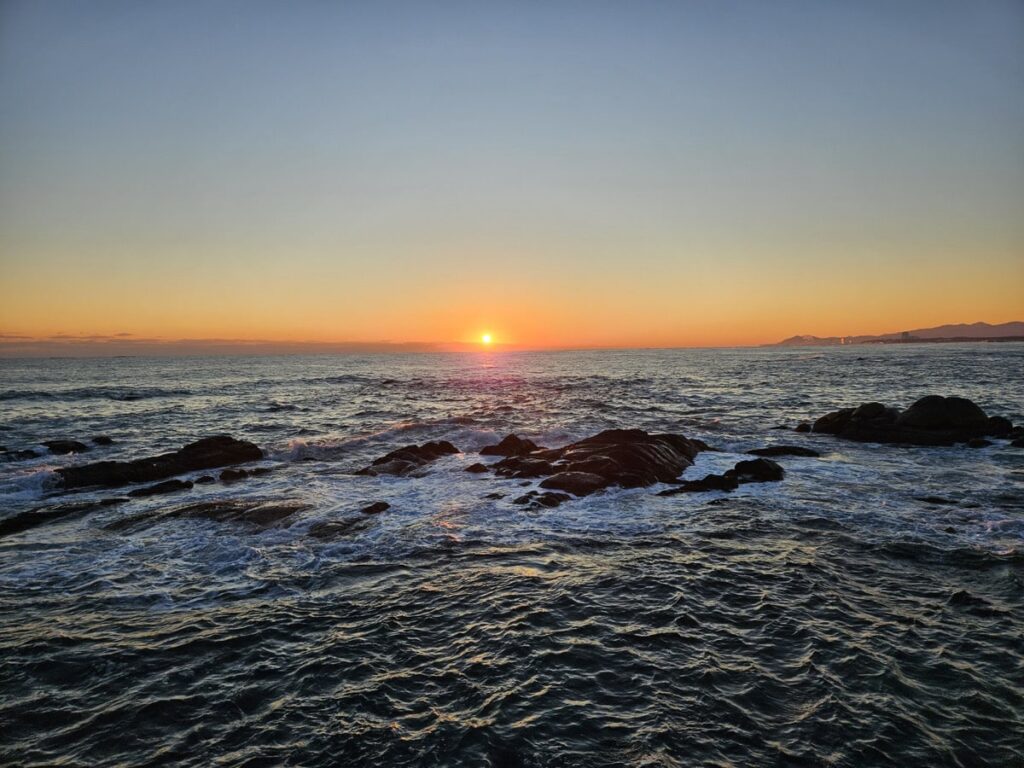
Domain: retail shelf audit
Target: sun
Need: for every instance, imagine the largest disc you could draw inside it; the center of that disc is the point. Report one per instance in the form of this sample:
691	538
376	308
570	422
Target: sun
485	339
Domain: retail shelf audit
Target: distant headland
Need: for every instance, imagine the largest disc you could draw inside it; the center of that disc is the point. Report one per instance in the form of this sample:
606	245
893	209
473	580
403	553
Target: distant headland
1013	331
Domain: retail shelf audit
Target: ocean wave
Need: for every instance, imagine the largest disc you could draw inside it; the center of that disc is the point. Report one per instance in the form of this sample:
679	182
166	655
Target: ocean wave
122	394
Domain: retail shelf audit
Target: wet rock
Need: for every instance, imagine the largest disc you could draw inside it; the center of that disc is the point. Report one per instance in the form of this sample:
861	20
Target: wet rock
375	508
784	450
757	471
932	420
710	483
334	529
478	467
495	496
24	455
205	480
1018	443
102	440
35	517
934	500
978	442
256	512
233	475
61	447
577	483
523	466
949	529
998	426
209	453
536	500
803	427
168	486
781	426
511	445
412	457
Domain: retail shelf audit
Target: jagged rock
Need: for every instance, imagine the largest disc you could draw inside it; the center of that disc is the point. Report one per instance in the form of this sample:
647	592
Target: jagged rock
407	459
724	482
209	453
932	420
523	466
511	445
62	447
375	508
784	450
536	500
752	471
167	486
34	517
478	467
577	483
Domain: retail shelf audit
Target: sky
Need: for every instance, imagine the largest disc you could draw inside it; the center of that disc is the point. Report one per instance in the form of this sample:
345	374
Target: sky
558	174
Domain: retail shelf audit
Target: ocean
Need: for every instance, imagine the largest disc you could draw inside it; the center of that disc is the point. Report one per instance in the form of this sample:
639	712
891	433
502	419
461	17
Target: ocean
835	618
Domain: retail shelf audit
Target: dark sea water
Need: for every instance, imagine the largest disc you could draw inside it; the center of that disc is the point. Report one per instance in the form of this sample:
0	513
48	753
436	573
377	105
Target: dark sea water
832	619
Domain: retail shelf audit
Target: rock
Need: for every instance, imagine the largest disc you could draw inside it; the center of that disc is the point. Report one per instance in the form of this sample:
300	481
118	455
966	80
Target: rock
34	517
803	427
523	466
252	511
204	480
19	455
934	500
333	529
784	450
495	496
1018	443
978	442
578	483
168	486
998	426
752	471
62	447
932	420
510	445
209	453
102	440
536	500
233	475
949	529
375	508
710	483
478	467
407	459
781	426
757	471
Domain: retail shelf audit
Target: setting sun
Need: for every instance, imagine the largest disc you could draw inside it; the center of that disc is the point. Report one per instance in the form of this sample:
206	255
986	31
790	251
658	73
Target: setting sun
485	338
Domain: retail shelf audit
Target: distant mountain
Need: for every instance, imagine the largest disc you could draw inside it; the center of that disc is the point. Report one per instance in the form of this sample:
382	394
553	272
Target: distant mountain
956	332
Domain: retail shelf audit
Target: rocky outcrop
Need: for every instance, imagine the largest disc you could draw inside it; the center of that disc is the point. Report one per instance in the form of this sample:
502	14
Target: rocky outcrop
478	467
209	453
932	420
61	447
752	471
406	460
629	458
784	450
511	445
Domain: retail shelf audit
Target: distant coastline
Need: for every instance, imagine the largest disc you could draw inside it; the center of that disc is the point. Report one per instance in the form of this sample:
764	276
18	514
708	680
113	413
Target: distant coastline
942	334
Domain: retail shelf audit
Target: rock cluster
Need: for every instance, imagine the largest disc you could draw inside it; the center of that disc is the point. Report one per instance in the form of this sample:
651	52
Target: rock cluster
752	471
406	460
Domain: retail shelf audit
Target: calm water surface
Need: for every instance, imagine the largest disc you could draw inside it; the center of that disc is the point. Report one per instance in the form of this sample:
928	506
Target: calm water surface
832	619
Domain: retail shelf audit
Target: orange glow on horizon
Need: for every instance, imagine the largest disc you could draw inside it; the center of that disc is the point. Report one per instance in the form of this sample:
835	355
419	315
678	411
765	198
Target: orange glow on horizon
485	339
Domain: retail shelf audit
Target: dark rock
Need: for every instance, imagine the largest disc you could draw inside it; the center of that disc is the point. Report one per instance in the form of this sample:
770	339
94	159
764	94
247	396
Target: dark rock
407	459
523	466
3	449
999	426
376	508
510	445
19	455
209	453
333	529
578	483
62	447
167	486
710	483
757	471
102	440
204	480
233	475
781	426
784	450
932	420
934	500
803	427
978	442
949	529
24	521
536	500
1018	443
495	496
478	467
252	511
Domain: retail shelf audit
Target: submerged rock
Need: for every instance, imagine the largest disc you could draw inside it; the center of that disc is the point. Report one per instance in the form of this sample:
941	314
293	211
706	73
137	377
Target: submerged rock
784	450
102	440
209	453
23	455
412	457
168	486
375	508
61	447
478	467
511	445
34	517
932	420
257	512
752	471
536	499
